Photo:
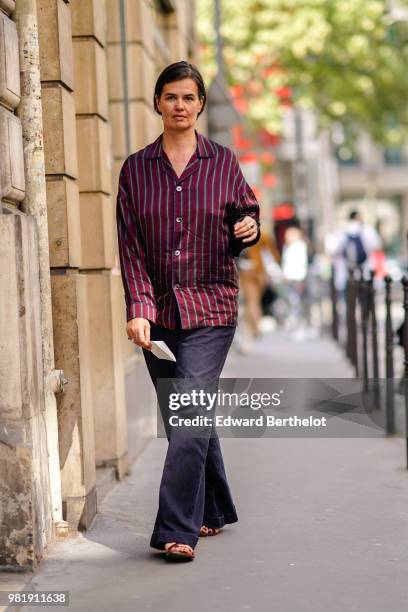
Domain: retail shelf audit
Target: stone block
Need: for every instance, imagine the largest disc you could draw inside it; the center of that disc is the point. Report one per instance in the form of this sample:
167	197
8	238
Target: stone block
24	485
60	143
91	89
63	222
154	126
107	370
75	405
138	118
29	311
143	125
15	499
116	168
10	372
141	74
26	518
161	52
12	184
115	72
89	19
94	154
139	20
113	33
9	63
20	329
157	124
180	19
128	350
177	44
55	37
8	6
117	119
97	231
79	512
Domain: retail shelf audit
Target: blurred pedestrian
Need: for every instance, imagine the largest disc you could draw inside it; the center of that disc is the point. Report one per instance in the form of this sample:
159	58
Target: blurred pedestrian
352	248
254	280
295	268
184	210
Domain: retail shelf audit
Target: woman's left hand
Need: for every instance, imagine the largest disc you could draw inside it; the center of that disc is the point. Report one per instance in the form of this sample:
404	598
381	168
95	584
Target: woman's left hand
247	229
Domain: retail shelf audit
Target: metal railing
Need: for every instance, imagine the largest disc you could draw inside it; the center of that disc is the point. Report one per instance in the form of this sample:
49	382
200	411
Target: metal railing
362	322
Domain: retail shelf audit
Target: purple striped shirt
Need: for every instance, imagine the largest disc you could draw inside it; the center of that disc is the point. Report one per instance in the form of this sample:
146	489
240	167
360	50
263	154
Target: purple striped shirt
175	238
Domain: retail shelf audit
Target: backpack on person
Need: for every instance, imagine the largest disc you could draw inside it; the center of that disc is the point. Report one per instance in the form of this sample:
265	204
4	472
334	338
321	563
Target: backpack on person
354	251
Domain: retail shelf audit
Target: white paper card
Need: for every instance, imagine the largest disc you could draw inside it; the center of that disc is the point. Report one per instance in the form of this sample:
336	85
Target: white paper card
161	350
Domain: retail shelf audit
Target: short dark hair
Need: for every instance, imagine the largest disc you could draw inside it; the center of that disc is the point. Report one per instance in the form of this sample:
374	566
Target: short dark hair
354	215
176	72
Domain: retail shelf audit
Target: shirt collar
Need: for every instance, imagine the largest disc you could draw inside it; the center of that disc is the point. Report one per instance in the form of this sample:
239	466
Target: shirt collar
204	147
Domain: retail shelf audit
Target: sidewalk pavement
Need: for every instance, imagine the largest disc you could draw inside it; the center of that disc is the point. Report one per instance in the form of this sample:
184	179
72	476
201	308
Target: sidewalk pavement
323	523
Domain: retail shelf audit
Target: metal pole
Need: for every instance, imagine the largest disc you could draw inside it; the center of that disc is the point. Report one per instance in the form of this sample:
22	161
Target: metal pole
335	314
405	307
349	316
389	359
364	326
371	314
374	328
352	327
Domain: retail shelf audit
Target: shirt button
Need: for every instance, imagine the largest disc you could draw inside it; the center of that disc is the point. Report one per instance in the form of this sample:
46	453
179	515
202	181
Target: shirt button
178	219
178	188
177	252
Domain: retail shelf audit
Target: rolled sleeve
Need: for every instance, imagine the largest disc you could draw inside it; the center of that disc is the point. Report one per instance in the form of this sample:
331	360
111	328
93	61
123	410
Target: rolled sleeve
245	205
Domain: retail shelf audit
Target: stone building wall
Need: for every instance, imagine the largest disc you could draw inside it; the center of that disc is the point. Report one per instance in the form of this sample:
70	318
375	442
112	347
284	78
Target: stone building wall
26	517
76	87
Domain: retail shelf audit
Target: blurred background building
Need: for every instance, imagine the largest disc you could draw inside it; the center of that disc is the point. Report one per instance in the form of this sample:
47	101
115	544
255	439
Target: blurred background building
375	179
76	88
321	93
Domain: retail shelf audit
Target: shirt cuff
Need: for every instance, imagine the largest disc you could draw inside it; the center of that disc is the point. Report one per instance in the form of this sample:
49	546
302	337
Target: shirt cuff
238	245
139	309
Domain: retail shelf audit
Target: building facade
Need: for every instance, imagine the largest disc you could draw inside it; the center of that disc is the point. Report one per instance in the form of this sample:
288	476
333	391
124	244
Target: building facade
374	180
76	406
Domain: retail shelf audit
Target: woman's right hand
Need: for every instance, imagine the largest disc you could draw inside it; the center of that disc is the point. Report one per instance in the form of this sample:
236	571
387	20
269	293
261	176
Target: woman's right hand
138	330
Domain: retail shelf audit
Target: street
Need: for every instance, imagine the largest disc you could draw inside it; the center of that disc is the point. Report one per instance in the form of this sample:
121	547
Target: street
322	522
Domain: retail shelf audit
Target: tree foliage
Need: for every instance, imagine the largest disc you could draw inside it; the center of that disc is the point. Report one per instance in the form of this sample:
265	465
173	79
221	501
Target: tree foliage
347	59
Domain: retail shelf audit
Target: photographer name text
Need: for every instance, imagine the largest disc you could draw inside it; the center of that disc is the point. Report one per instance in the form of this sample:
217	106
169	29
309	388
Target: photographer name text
259	421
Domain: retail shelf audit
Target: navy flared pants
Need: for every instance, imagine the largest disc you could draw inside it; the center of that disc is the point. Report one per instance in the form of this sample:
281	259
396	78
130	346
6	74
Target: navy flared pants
194	490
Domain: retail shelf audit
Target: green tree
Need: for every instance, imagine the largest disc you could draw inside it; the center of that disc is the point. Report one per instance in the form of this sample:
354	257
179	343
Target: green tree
345	58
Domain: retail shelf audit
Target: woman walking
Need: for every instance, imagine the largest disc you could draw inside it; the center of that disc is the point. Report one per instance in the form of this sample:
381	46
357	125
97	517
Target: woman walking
184	210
